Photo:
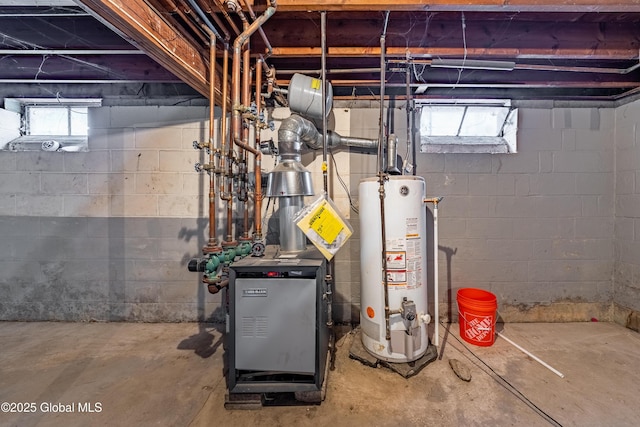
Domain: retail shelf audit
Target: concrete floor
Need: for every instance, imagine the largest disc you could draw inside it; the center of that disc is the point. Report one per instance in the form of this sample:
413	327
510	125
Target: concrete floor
171	375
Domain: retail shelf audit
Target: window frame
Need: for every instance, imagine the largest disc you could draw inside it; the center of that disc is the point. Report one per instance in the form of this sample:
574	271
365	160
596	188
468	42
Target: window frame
504	142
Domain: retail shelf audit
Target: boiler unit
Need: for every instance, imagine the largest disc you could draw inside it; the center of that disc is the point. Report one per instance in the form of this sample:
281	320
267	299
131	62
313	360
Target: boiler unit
394	310
277	338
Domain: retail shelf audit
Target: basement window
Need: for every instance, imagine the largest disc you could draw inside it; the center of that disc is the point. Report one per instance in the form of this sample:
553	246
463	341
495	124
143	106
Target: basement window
468	126
50	124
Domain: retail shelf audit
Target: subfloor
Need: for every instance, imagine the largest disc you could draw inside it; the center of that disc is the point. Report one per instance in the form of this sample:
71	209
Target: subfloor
172	375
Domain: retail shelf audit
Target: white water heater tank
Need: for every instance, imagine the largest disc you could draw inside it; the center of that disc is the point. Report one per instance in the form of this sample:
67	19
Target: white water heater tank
406	259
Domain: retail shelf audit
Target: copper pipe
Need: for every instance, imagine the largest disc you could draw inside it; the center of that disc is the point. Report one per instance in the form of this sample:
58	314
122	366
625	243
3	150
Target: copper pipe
258	191
236	123
260	30
223	126
212	152
246	100
223	10
183	14
207	9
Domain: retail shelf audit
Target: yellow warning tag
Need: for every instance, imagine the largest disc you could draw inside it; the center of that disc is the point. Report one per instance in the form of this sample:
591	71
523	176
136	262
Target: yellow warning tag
326	224
315	84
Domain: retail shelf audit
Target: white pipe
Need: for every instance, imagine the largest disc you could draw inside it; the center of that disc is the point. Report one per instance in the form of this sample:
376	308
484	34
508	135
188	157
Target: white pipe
537	359
436	334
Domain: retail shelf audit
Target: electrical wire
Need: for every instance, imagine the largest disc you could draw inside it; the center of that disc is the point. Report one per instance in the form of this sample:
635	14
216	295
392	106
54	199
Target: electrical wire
508	385
343	184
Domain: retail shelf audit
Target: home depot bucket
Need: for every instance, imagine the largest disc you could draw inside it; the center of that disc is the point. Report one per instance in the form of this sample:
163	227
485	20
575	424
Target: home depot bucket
477	316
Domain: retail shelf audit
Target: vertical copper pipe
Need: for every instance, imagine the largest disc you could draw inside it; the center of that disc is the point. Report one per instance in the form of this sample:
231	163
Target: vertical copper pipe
246	100
212	152
223	125
258	191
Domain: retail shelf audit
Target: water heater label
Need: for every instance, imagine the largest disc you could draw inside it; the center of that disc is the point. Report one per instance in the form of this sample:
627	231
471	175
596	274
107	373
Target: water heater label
254	292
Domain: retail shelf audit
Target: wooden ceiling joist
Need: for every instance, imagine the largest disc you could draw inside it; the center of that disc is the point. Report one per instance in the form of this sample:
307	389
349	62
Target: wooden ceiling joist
146	29
434	52
469	5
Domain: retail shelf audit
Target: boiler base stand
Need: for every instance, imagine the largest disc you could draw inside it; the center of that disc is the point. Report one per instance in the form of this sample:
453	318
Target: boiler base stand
406	370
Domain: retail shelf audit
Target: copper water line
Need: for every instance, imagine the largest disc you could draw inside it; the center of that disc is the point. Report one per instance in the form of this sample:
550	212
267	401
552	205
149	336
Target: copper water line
212	152
207	8
223	10
258	190
223	125
246	100
236	122
183	15
260	30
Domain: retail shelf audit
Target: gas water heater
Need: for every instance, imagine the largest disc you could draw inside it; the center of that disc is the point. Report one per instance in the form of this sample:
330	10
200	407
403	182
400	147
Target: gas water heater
394	309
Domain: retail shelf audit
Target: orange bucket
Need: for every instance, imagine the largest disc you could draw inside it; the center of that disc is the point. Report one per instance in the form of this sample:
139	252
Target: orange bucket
477	316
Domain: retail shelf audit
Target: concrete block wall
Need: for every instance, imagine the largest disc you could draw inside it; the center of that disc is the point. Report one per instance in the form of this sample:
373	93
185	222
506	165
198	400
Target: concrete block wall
106	234
626	279
535	227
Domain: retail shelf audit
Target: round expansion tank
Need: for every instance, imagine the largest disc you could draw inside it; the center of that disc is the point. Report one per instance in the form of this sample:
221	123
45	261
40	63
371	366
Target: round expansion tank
305	96
406	259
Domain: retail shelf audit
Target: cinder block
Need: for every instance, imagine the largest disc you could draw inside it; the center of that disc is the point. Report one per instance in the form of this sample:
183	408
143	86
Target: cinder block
585	249
534	118
178	206
583	161
132	206
596	228
624	228
430	163
38	205
628	205
542	228
64	183
176	161
467	163
568	139
111	139
159	183
95	205
199	134
20	182
552	183
7	161
157	138
135	160
19	226
448	184
490	228
594	183
541	139
509	250
557	206
595	139
42	161
521	162
570	270
490	271
62	226
626	159
111	183
90	161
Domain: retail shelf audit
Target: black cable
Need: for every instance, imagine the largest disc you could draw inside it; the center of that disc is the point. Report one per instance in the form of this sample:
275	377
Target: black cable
344	186
510	387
